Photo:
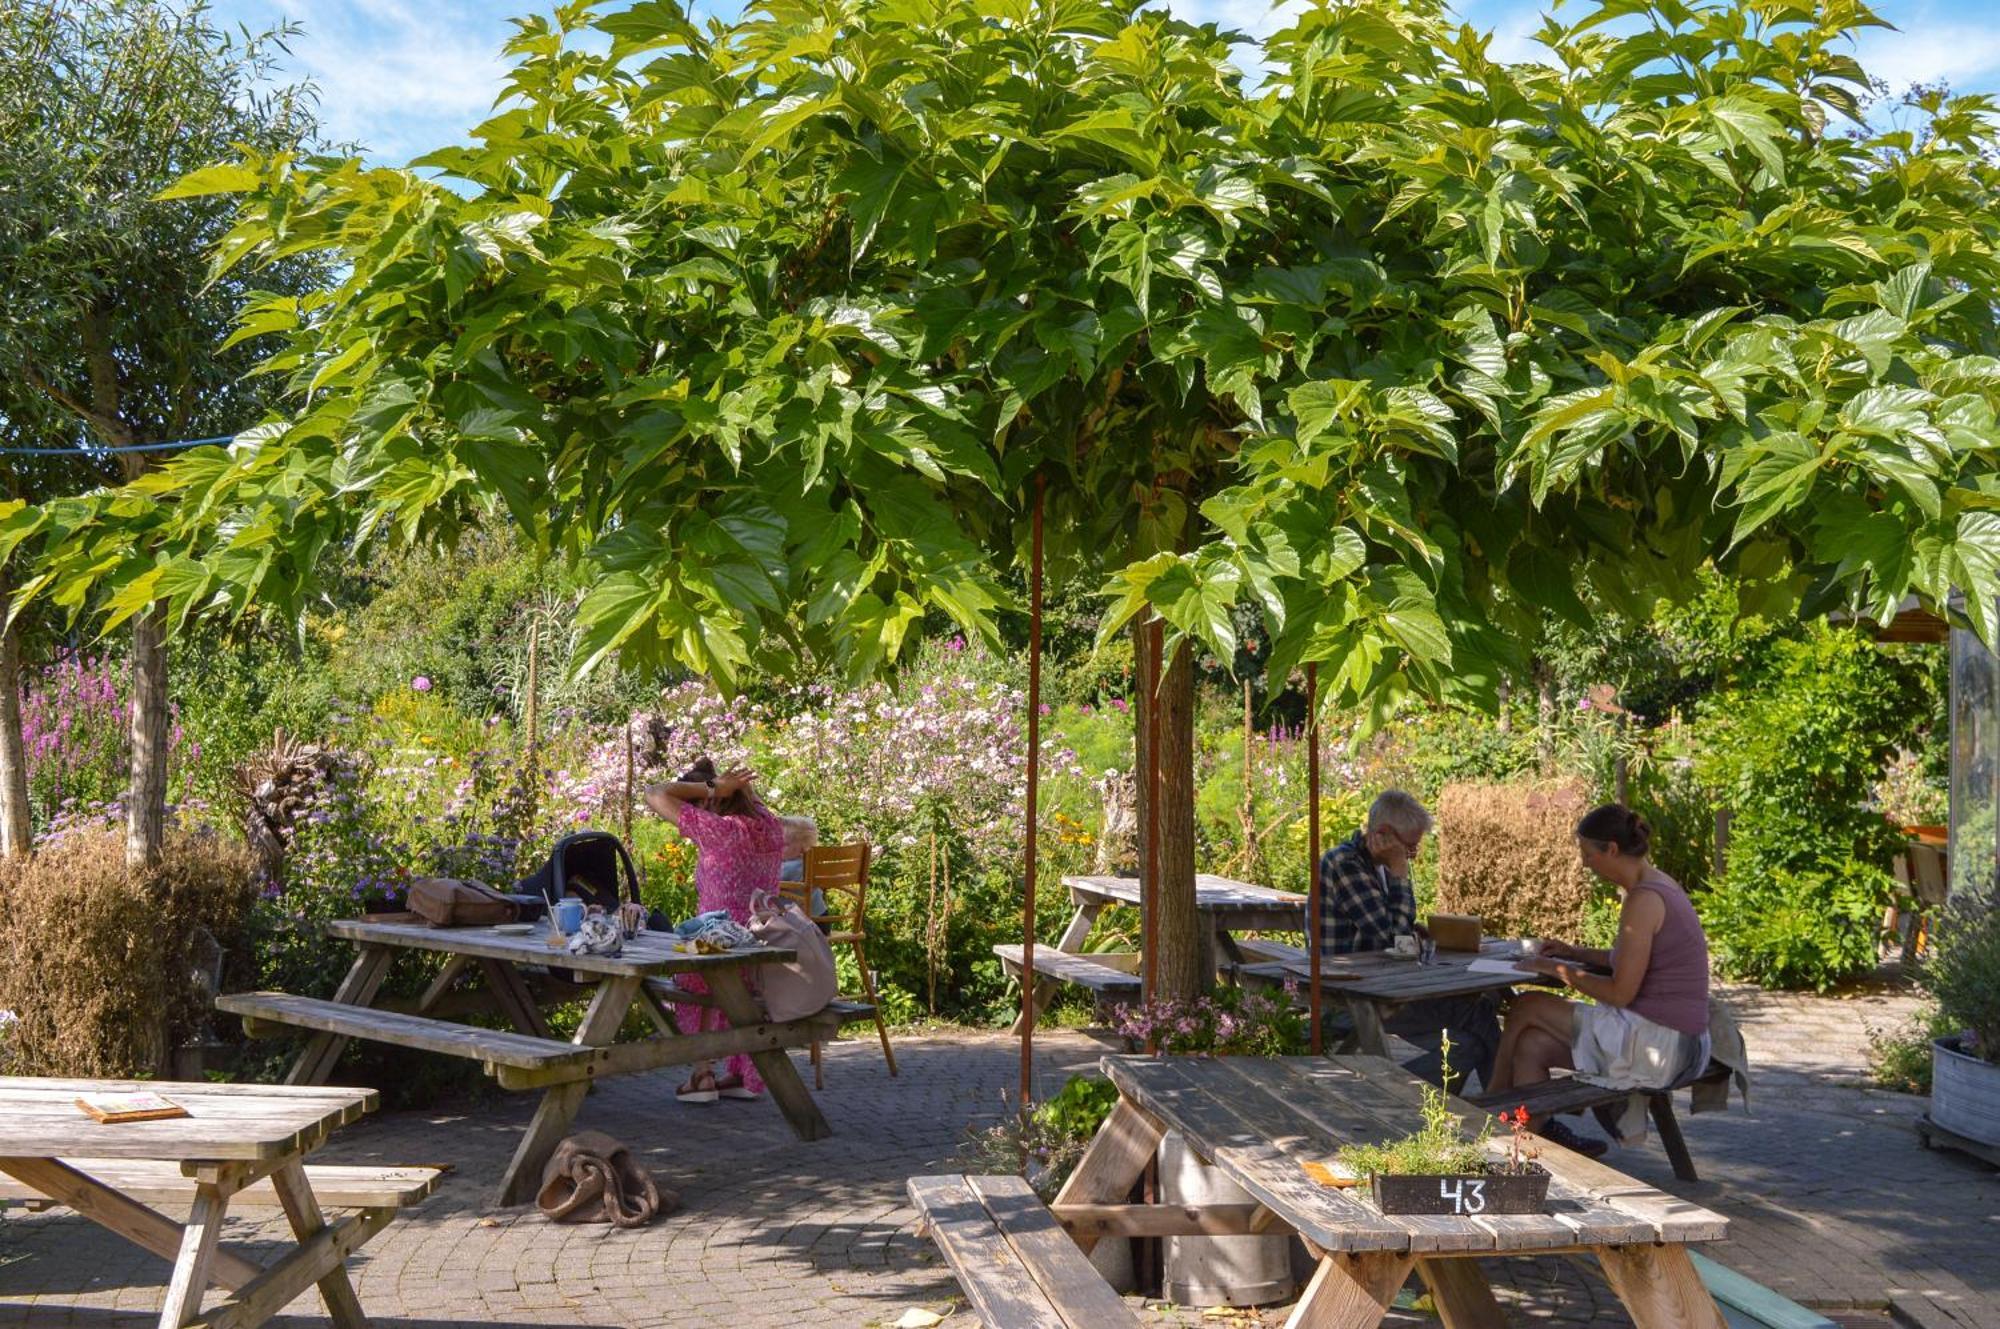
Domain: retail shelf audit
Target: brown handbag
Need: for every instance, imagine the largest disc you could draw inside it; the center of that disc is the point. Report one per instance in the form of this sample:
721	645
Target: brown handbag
445	902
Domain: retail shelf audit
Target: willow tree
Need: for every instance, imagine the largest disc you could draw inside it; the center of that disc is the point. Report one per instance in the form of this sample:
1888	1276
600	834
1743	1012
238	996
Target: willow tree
777	326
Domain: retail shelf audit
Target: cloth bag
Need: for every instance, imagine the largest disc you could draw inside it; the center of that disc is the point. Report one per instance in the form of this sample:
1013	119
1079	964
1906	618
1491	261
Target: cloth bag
445	902
805	985
591	1178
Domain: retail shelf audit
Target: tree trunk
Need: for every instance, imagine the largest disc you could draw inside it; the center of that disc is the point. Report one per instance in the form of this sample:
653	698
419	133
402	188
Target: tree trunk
1545	715
1185	967
146	795
15	831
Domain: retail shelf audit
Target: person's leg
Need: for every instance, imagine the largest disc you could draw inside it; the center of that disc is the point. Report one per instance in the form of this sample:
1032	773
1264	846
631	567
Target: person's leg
1540	1011
1469	1022
1537	1054
690	1018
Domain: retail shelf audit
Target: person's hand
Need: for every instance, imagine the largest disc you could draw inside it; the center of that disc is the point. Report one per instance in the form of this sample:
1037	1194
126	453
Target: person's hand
735	782
1540	964
656	800
1558	950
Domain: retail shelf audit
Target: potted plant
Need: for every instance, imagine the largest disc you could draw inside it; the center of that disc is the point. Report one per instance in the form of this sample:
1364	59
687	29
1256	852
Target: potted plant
1437	1170
1963	973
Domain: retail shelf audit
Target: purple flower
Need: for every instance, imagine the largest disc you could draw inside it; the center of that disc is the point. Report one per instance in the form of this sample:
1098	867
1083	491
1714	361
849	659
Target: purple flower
420	683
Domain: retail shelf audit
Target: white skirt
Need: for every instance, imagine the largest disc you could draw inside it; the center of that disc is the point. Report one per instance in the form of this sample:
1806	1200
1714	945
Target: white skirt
1613	1046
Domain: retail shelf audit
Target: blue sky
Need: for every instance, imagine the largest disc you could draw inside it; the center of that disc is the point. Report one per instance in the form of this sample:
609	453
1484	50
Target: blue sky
403	76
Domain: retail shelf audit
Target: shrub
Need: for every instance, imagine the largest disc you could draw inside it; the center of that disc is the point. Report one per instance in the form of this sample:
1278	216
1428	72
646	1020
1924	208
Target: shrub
1963	973
1795	755
1900	1058
1507	852
99	963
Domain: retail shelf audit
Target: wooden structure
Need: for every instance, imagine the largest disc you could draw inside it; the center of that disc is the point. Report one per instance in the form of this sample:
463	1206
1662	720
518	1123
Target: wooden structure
529	1057
1261	1120
1017	1266
1565	1094
840	874
238	1143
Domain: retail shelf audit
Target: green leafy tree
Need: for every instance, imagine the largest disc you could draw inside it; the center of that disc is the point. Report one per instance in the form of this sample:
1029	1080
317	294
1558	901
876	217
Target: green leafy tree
779	326
114	335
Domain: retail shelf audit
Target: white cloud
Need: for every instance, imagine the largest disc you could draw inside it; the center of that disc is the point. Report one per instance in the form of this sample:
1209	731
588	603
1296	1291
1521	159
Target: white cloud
1965	55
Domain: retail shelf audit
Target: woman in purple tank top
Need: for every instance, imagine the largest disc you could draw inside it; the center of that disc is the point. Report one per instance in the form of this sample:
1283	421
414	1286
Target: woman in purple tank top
1646	1026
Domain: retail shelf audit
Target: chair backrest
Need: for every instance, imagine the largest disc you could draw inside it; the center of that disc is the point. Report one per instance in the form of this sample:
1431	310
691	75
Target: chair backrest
836	871
1931	883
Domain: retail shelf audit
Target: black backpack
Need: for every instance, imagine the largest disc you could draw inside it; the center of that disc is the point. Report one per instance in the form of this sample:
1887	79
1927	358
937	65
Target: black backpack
586	865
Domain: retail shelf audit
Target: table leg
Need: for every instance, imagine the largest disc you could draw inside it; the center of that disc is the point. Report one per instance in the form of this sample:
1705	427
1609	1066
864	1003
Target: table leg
302	1211
1351	1291
453	967
1659	1286
516	1002
560	1102
194	1265
1369	1039
1463	1297
781	1078
322	1051
118	1213
1114	1162
1071	943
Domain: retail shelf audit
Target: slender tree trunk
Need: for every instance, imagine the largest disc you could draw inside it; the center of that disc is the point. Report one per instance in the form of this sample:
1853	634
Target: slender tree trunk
1545	715
15	831
146	798
1185	967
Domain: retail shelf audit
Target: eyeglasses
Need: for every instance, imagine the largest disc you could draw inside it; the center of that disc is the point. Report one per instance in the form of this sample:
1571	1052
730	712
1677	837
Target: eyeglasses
1410	846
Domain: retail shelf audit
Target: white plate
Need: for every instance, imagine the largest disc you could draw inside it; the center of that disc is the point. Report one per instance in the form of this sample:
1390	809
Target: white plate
515	929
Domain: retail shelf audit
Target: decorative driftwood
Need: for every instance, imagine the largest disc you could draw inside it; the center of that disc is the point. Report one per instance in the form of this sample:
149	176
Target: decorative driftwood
276	786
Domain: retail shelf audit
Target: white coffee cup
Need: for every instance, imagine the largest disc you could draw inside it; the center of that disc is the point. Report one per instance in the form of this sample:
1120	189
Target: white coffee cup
1405	945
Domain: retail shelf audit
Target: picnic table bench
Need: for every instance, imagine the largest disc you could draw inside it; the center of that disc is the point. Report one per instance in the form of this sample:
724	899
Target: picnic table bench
1260	1120
1226	907
529	1056
1018	1267
238	1143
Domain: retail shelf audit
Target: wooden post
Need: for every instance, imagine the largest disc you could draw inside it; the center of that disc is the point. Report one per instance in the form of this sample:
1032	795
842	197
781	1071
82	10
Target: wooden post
1149	885
1034	797
629	763
1312	852
531	714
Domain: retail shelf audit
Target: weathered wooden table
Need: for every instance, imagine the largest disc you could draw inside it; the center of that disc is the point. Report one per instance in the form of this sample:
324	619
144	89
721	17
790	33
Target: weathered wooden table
1226	907
1374	983
1260	1119
235	1137
529	1057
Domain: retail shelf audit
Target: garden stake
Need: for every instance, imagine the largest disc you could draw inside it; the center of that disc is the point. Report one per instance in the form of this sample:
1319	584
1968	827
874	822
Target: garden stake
1312	848
1034	795
1149	936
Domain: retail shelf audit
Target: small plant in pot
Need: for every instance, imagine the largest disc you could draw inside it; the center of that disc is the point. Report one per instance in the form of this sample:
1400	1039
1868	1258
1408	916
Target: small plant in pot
1963	973
1437	1170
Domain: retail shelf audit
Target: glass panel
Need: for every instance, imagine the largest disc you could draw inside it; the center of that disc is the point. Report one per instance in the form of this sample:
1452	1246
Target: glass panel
1975	766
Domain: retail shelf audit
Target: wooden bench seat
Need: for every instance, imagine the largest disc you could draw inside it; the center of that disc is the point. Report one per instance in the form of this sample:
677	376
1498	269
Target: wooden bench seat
1107	981
151	1182
1748	1304
1259	950
1016	1265
1567	1094
273	1014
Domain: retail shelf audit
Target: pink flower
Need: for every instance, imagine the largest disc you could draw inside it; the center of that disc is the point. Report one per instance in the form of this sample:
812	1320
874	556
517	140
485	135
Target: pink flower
420	684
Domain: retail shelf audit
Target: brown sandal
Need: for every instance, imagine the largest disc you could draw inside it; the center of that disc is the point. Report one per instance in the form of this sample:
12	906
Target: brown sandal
700	1089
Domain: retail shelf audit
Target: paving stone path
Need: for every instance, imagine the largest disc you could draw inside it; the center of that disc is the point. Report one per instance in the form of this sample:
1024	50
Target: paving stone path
1834	1204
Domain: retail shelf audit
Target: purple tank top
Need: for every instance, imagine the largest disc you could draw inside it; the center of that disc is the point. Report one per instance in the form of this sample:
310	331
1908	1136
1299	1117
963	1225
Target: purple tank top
1674	991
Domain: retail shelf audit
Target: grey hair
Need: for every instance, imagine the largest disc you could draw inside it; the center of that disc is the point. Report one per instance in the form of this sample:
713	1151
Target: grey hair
1400	812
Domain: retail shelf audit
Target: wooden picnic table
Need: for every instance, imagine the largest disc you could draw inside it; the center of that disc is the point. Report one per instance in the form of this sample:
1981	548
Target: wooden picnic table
1226	907
1374	983
529	1057
1261	1119
234	1137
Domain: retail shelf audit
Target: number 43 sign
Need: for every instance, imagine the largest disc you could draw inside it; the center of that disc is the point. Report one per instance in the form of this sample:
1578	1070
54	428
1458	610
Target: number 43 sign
1466	1195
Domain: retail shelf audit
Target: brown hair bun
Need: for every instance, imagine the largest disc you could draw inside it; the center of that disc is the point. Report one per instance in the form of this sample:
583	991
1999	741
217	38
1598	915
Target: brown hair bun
1618	826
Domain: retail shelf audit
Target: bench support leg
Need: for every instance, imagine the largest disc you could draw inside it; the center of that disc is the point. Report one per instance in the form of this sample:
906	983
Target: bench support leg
131	1220
1071	942
1350	1291
322	1051
560	1103
514	999
1369	1038
1463	1297
302	1211
1114	1162
1659	1287
193	1265
1669	1127
781	1078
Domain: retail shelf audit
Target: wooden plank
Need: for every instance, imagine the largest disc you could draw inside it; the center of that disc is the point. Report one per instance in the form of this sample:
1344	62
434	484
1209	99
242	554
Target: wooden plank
263	1010
648	955
1659	1287
1080	970
503	981
1177	1092
1463	1297
153	1182
281	1284
1098	1221
675	1050
1350	1291
316	1062
1077	1292
454	966
119	1213
1073	937
1758	1304
781	1078
295	1194
40	1119
1113	1163
559	1104
995	1281
191	1275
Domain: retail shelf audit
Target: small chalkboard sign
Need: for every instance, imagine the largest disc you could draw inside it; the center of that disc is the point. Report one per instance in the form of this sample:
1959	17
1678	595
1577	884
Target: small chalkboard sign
1463	1195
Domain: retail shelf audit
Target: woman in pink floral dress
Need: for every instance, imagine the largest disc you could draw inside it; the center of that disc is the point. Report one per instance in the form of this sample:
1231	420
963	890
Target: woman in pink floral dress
741	846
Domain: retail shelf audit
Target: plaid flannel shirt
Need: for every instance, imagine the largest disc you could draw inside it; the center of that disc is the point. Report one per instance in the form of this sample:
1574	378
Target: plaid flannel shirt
1361	907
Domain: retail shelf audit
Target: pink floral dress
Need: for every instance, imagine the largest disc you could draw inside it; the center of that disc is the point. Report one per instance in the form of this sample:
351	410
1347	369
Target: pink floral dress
739	856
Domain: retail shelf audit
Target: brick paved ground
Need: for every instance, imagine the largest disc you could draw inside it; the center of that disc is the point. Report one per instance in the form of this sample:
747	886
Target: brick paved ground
1834	1203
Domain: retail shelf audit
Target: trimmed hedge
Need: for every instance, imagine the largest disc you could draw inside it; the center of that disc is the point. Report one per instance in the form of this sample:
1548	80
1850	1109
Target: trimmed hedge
1507	852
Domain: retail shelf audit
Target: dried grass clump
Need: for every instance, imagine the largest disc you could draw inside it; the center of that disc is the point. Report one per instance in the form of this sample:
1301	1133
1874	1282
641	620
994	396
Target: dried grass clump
1507	852
105	966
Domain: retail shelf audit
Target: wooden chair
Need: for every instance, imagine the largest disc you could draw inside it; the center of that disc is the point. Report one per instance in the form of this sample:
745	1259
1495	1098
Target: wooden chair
1930	883
840	873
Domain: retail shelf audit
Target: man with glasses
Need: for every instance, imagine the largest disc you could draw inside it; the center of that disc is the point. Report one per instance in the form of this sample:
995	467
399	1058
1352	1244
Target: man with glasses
1366	901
